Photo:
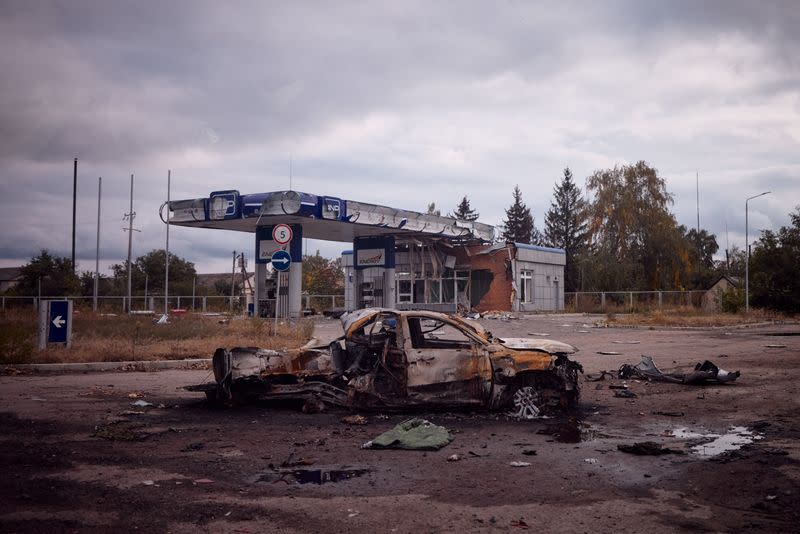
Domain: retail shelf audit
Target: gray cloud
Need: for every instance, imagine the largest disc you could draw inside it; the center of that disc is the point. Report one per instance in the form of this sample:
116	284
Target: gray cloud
400	104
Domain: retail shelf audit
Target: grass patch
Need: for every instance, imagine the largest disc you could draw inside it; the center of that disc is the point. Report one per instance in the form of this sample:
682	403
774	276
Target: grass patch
97	338
691	317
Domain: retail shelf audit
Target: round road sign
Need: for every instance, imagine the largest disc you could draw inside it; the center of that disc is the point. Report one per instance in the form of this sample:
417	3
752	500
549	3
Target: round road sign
282	234
281	260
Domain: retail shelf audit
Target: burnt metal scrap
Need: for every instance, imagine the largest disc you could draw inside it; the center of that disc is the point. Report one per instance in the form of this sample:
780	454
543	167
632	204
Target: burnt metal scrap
703	373
389	359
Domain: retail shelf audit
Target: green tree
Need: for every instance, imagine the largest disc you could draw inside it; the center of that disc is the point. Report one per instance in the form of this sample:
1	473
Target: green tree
518	225
55	273
152	266
630	223
322	276
565	226
702	246
464	212
775	269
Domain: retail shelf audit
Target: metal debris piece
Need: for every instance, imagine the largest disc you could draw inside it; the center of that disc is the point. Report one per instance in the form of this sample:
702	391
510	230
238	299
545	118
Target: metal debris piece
142	404
670	414
703	373
625	394
519	464
626	342
608	353
354	420
454	458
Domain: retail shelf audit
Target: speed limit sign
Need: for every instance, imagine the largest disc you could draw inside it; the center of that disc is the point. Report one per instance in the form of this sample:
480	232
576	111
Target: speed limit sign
282	234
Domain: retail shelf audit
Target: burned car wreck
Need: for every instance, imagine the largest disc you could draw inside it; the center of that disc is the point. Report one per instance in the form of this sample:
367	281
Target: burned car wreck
395	360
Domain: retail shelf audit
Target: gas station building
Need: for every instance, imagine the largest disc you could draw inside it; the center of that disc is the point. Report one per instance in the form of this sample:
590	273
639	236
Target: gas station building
396	258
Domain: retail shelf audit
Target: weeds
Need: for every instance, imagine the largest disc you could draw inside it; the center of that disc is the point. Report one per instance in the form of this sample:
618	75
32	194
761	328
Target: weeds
122	338
690	316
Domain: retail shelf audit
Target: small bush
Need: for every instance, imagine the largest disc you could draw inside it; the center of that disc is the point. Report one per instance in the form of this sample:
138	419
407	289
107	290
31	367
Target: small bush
17	343
731	300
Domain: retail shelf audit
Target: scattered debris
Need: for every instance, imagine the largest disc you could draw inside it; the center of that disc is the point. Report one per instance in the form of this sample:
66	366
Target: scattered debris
590	460
703	373
600	376
322	476
519	523
775	346
608	353
618	386
203	481
454	458
38	399
669	414
648	448
412	434
193	447
519	464
529	452
133	394
142	404
538	334
162	320
625	394
148	482
583	331
626	342
119	431
354	420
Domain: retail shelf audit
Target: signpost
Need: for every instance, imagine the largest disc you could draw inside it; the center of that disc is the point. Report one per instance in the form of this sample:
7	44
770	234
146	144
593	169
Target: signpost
281	260
282	234
55	322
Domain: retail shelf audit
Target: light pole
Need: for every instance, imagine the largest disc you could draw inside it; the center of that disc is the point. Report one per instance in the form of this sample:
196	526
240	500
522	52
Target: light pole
747	253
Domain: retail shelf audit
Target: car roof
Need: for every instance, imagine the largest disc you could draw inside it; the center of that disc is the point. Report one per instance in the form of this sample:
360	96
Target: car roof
355	319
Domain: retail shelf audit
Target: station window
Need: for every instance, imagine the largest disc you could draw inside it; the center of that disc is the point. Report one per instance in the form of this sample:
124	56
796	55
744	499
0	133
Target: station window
526	286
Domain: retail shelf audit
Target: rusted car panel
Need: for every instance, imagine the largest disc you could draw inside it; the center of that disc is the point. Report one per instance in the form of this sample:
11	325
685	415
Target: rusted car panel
400	359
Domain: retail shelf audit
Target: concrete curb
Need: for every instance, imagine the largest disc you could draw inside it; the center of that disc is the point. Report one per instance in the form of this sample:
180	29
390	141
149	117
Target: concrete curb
87	367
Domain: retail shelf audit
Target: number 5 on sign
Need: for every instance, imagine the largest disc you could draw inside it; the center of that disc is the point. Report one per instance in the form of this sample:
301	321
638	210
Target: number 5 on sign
282	234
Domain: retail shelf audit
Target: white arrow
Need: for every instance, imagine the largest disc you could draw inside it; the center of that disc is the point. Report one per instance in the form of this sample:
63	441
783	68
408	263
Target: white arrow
280	260
58	321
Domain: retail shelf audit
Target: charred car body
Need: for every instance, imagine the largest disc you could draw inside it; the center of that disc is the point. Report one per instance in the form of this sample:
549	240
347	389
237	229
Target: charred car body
390	359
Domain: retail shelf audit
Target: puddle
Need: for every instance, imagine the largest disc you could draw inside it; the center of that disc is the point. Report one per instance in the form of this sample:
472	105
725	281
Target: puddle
569	431
312	476
734	439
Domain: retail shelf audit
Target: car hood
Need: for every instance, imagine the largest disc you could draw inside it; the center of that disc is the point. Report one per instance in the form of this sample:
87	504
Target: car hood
528	343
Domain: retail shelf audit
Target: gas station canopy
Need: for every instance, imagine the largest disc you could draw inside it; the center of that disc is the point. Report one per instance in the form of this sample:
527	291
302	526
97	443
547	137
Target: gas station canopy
322	217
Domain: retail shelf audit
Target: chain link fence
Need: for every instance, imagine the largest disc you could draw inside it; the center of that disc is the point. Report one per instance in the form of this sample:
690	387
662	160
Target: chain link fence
631	301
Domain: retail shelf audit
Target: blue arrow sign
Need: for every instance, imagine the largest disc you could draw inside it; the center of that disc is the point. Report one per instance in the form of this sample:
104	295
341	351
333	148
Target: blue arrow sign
58	320
281	260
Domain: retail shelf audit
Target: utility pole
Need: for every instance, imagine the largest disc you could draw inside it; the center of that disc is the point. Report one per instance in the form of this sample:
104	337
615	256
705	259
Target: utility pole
233	280
130	216
74	202
97	253
166	269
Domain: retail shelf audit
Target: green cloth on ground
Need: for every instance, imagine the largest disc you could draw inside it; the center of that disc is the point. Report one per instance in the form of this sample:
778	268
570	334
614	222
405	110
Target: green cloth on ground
413	434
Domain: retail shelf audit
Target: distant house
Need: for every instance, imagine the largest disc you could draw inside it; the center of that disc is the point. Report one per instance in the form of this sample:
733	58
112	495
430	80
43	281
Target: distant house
9	277
712	297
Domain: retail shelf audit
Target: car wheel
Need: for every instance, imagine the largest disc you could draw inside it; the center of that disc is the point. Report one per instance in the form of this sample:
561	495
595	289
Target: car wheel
526	403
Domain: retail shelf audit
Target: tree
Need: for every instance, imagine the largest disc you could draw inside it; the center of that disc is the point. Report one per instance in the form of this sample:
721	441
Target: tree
630	223
55	273
519	226
152	266
433	210
565	226
702	246
464	212
775	269
322	276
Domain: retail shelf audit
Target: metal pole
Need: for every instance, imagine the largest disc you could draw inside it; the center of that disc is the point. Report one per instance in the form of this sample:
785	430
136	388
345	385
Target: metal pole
194	282
747	253
131	215
97	253
146	307
74	202
233	280
166	269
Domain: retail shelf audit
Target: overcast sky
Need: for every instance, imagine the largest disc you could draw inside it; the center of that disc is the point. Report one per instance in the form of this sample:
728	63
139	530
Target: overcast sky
399	104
